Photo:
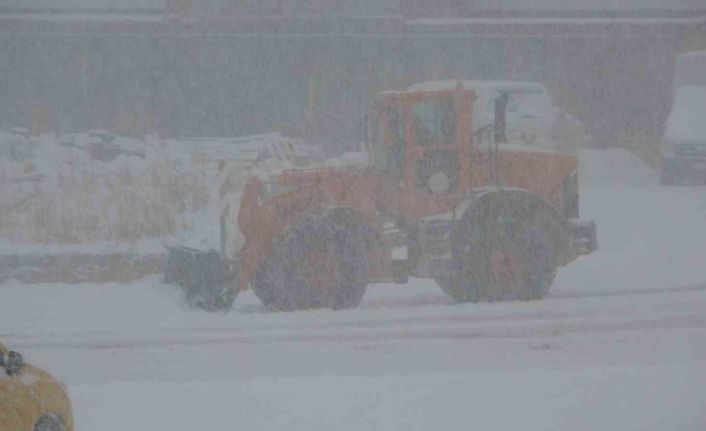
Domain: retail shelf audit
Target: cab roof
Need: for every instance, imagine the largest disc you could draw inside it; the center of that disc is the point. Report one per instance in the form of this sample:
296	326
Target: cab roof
480	85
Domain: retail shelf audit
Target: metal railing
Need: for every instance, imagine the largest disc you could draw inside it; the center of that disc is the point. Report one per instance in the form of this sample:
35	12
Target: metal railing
488	132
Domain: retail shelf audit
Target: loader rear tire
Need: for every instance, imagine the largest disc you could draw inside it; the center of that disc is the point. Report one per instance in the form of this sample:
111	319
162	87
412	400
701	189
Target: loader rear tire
505	251
321	263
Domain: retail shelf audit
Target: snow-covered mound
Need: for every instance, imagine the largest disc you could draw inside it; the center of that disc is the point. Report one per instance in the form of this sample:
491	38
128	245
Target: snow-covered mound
615	167
90	187
103	191
686	122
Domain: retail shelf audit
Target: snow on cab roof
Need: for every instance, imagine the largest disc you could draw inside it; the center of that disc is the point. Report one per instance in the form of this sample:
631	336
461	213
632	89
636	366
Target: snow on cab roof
480	84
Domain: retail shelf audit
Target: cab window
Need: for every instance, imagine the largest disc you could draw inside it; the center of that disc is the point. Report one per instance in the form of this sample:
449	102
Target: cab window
434	122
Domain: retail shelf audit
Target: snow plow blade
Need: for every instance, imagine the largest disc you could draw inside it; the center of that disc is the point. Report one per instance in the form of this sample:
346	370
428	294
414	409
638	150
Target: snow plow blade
203	277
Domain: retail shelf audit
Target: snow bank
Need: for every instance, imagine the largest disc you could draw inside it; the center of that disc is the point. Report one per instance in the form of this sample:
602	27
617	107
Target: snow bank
106	193
686	121
91	187
614	168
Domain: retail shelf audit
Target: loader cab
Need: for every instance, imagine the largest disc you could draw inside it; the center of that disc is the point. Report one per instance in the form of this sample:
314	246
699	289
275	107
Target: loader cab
422	141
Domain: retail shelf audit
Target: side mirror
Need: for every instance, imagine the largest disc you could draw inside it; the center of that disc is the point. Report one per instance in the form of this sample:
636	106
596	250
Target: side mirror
500	117
13	362
366	132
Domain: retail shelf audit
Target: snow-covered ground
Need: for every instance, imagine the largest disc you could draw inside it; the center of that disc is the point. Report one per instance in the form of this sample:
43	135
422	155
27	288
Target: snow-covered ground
619	344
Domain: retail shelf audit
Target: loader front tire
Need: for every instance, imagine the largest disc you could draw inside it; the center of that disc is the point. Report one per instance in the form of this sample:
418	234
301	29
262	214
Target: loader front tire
320	263
505	251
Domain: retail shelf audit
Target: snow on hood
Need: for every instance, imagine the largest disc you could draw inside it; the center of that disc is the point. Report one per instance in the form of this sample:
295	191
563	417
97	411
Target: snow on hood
687	122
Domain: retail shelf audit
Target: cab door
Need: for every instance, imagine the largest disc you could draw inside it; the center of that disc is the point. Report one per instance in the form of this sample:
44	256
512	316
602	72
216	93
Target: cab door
439	142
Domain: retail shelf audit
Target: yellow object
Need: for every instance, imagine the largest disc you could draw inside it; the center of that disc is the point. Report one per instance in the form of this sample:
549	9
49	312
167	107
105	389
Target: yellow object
32	400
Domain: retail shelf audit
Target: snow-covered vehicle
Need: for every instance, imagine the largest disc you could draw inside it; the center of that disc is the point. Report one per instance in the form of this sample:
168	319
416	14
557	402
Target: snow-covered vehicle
684	144
532	119
31	399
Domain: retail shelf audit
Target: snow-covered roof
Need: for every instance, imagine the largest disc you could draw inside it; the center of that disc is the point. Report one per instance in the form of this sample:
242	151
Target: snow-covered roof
480	85
82	17
83	4
591	5
552	20
370	4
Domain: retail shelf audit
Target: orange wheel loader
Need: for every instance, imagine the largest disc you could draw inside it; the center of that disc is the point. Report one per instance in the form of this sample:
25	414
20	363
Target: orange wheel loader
440	198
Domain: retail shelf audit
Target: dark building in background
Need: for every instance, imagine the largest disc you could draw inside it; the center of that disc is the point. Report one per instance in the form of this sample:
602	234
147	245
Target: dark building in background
311	67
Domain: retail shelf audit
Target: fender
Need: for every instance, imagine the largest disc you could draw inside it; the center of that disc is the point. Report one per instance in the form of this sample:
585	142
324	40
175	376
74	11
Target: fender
264	225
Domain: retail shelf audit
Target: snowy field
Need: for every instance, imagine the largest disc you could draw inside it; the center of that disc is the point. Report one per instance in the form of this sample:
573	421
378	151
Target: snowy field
619	344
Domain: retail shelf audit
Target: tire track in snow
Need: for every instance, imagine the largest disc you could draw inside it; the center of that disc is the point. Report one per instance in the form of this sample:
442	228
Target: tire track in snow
514	316
469	330
628	292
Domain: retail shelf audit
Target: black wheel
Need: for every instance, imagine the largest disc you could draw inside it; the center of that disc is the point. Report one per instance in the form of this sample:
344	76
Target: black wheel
503	251
50	422
321	263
